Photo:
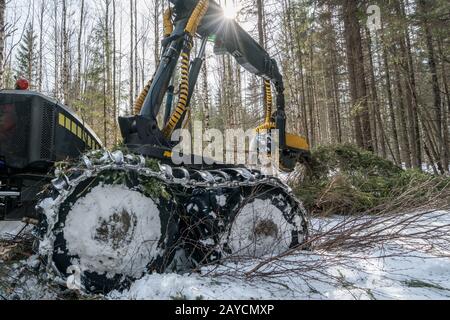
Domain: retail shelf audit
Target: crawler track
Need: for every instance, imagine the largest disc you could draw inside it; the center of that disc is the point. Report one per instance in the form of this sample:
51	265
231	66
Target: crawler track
115	217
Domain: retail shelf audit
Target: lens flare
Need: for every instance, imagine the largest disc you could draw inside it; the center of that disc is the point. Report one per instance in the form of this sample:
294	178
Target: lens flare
230	11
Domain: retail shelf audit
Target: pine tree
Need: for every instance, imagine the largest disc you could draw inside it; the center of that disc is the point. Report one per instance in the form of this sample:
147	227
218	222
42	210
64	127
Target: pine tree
27	57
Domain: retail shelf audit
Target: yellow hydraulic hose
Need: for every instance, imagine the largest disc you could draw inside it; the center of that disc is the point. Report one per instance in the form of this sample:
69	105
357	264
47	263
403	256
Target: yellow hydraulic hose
268	124
269	101
140	100
196	17
191	28
167	23
183	95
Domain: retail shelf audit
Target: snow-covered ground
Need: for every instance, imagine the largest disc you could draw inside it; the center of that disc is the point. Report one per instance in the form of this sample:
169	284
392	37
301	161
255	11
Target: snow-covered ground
395	269
391	270
368	278
10	227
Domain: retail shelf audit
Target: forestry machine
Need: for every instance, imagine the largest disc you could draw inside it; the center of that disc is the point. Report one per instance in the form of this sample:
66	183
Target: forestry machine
35	132
113	216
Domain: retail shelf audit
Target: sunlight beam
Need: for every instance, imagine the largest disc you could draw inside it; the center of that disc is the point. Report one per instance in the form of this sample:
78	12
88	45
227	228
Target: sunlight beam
230	10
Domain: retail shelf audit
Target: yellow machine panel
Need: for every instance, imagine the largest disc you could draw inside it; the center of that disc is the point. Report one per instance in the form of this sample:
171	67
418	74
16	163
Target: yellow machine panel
297	142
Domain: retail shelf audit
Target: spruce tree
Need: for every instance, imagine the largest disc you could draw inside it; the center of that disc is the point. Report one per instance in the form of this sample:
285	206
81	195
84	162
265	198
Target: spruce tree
27	58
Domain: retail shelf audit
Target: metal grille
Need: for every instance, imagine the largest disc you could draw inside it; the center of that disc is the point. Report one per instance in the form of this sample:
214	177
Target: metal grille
48	126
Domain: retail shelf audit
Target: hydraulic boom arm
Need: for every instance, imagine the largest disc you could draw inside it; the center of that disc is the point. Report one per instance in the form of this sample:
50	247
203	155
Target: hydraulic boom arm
204	18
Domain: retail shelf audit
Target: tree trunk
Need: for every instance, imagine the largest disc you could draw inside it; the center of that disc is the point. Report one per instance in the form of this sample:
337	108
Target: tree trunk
65	47
56	88
446	109
331	79
379	130
156	32
405	147
79	45
394	133
262	39
357	79
300	60
410	91
108	76
114	80
206	111
131	77
119	67
136	56
436	88
2	39
41	45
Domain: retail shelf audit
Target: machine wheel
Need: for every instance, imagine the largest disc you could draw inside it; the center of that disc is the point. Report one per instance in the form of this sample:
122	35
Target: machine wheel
267	224
114	233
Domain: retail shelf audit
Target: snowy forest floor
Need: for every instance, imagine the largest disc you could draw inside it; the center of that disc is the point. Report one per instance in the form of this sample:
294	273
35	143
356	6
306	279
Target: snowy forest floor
390	257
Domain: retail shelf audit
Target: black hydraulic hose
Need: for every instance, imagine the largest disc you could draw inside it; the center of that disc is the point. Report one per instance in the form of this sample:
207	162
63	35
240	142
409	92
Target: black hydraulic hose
194	73
169	104
163	75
